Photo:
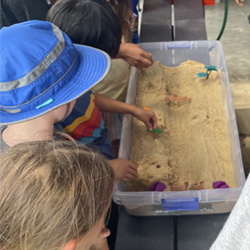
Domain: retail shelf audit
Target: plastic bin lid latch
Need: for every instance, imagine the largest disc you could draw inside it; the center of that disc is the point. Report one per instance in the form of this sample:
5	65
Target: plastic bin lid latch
180	205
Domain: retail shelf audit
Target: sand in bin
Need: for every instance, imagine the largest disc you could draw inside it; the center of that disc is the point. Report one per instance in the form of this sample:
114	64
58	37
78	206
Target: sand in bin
194	146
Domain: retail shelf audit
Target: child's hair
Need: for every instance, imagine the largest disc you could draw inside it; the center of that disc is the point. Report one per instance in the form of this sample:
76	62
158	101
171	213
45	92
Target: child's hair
123	9
51	192
88	22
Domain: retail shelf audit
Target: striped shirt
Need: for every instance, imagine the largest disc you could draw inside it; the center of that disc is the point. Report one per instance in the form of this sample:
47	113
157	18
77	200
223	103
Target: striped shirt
85	124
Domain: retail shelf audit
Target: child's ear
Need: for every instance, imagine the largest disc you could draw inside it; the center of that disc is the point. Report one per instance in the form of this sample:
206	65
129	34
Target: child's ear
71	245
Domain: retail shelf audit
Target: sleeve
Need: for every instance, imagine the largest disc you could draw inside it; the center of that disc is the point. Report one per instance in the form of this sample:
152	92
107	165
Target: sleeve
235	235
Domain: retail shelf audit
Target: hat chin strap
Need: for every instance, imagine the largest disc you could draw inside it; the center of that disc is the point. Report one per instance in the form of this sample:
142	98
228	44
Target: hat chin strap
67	112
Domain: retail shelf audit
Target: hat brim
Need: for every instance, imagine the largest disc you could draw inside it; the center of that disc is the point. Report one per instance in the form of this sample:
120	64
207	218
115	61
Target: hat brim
93	67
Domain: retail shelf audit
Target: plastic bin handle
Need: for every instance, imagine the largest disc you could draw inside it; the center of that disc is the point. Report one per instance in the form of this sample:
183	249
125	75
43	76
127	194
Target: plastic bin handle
179	45
180	205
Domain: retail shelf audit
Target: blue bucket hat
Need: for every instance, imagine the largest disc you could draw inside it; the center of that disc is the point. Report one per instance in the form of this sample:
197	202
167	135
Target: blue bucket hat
40	70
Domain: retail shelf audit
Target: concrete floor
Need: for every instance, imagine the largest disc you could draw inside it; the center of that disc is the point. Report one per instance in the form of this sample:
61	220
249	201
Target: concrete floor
235	39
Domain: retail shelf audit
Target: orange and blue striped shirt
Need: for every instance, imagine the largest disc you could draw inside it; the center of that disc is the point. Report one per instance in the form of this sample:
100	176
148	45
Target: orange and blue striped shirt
85	124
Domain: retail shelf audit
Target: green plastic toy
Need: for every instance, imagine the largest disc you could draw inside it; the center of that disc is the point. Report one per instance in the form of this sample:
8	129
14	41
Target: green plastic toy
209	68
158	131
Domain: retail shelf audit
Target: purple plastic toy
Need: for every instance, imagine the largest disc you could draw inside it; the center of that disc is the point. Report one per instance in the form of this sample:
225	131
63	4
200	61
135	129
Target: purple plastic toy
220	184
157	186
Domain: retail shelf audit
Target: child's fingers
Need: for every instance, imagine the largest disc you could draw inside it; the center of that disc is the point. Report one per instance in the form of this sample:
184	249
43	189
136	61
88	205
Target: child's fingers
154	121
132	171
132	165
124	179
145	62
129	177
149	118
148	124
147	55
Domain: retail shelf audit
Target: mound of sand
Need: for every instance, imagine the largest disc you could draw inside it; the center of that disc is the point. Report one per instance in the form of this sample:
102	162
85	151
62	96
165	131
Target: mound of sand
193	150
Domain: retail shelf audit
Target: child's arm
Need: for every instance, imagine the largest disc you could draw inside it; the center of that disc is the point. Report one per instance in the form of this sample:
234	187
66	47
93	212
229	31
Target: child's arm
124	170
134	55
110	105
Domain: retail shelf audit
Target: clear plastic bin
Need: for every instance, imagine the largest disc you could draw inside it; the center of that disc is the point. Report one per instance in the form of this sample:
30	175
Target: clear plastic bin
192	201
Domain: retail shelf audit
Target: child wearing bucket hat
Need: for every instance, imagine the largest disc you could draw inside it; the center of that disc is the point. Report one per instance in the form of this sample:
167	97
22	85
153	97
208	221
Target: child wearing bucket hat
42	73
42	70
42	76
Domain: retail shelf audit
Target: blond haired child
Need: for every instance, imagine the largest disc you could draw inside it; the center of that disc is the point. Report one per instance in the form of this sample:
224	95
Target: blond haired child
55	195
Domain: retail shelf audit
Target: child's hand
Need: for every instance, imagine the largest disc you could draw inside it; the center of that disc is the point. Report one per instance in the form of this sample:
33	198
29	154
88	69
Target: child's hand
135	55
124	170
146	116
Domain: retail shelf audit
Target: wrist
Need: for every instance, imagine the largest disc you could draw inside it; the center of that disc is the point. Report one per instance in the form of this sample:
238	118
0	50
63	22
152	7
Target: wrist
133	110
122	51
